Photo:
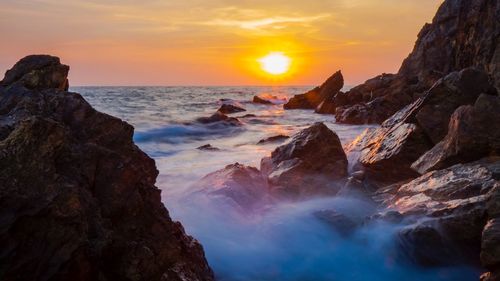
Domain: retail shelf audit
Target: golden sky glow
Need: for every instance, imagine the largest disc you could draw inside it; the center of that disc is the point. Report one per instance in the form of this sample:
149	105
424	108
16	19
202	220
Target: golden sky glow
213	42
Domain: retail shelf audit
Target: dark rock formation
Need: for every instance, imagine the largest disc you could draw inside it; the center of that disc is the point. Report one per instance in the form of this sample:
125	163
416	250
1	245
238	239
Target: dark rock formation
472	134
244	186
77	199
308	164
457	202
219	117
341	223
464	33
257	99
208	147
277	138
316	96
229	108
389	151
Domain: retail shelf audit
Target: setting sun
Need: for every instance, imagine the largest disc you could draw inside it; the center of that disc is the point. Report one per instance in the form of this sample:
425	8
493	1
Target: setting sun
275	63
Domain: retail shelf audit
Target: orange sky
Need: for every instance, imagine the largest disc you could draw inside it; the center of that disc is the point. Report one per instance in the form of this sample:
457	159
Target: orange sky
213	42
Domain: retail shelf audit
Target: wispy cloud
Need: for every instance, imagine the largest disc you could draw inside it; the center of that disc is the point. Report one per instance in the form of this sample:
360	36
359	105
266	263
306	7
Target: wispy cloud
268	22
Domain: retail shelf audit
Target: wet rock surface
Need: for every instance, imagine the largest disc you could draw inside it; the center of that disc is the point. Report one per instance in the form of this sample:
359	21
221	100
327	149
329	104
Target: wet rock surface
208	147
229	108
78	200
307	164
313	98
219	117
244	186
273	139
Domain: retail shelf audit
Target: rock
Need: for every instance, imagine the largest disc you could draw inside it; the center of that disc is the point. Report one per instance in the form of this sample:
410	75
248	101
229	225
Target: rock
208	147
316	96
244	186
490	244
474	29
472	135
491	276
257	99
38	72
454	90
78	200
307	164
247	116
455	202
339	222
391	150
389	216
229	108
277	138
219	117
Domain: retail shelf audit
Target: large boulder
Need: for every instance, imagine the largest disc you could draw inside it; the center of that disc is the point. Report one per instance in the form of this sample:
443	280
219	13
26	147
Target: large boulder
38	72
78	200
308	164
472	27
316	96
391	150
241	186
455	203
472	134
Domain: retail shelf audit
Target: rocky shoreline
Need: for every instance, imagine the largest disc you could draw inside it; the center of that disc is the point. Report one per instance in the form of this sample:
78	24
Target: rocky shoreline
78	199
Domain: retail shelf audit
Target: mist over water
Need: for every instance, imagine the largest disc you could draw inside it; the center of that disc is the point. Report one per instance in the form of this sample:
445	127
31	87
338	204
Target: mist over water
281	241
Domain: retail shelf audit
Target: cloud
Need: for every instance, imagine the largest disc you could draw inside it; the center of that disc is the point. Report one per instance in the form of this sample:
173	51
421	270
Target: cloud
273	22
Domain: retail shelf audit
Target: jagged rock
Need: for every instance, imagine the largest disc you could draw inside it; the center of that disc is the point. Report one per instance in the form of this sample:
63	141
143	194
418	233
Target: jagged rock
208	147
402	139
229	108
277	138
314	97
38	72
490	244
307	164
244	186
455	202
78	200
219	117
257	99
472	134
474	29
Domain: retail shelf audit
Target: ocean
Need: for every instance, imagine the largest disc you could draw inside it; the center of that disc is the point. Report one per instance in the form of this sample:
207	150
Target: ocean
284	242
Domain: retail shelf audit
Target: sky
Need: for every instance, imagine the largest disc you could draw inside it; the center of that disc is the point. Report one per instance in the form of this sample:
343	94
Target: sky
213	42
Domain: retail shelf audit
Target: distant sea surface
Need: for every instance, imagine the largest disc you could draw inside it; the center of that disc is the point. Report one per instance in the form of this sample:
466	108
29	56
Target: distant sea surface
285	243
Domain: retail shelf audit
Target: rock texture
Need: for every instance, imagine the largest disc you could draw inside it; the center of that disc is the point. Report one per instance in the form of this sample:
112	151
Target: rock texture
307	164
472	134
464	33
460	205
242	186
229	108
313	98
390	151
77	199
219	117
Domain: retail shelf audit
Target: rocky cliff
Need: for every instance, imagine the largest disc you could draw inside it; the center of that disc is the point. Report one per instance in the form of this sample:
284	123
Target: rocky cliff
464	33
77	196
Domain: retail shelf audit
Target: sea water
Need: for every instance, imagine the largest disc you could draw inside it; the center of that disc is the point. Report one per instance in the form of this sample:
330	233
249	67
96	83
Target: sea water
286	241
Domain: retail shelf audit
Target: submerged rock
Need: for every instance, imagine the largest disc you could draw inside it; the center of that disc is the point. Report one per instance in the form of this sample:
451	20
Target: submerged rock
257	99
243	186
208	147
277	138
219	117
78	200
316	96
229	108
472	135
308	164
339	222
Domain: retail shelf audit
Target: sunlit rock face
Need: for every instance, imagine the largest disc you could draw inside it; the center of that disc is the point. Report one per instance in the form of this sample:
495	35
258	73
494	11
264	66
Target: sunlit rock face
389	152
314	98
456	204
472	134
240	186
308	164
78	200
464	33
